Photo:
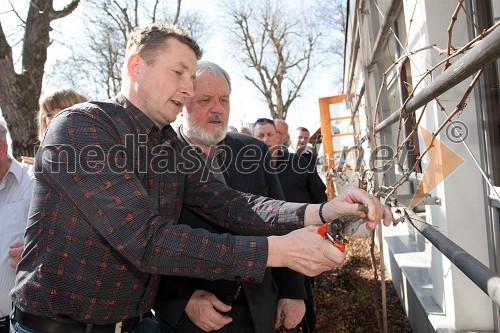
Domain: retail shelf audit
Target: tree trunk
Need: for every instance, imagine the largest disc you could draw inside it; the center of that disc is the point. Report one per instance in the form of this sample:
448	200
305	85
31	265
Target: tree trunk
19	93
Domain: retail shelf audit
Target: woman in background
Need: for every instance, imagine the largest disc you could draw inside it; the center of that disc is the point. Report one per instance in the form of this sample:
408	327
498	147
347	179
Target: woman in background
50	104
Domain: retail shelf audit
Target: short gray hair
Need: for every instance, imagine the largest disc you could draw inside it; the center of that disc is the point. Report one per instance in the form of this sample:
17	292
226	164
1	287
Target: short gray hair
3	130
208	66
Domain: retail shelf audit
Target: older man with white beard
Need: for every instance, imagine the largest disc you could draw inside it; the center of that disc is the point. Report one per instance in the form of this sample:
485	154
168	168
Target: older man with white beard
241	162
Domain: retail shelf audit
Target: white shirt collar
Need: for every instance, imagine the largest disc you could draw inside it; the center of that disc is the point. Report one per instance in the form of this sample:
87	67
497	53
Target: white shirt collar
16	169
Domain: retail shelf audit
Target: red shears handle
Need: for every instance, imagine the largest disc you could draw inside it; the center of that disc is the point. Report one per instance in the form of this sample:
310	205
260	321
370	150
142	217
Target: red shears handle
323	230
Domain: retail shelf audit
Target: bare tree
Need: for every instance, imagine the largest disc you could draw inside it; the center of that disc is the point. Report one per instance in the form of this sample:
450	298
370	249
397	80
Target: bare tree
19	93
95	67
332	17
279	46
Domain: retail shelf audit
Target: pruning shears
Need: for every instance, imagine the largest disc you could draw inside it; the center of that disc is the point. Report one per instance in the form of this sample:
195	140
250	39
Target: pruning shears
345	225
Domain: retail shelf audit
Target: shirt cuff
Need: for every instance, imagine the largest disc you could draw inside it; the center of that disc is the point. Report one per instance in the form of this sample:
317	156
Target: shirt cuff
250	258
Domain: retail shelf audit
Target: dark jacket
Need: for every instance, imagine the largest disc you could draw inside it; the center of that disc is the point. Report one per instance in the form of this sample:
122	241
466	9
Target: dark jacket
301	183
245	168
299	179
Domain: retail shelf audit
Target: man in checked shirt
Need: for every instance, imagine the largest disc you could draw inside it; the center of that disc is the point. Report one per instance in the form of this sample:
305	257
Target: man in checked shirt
111	179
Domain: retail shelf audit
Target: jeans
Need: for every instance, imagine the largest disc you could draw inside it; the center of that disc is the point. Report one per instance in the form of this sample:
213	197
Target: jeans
15	327
4	324
148	325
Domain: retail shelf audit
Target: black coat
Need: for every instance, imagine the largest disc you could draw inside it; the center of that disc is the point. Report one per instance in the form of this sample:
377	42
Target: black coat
299	179
301	183
245	169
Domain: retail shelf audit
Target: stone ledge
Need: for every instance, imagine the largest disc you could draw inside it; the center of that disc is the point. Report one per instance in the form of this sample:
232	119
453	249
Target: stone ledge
407	258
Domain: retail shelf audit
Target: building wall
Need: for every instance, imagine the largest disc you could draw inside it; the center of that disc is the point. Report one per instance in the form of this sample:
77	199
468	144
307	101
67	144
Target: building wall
459	305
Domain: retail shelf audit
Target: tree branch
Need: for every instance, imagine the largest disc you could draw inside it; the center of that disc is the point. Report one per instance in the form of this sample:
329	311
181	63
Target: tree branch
178	12
68	9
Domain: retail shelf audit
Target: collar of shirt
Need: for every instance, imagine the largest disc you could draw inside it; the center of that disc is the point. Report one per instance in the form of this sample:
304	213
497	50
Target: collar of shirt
16	169
168	133
143	122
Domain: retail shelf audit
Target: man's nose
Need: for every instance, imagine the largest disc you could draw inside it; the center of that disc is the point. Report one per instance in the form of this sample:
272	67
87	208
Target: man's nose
216	106
187	88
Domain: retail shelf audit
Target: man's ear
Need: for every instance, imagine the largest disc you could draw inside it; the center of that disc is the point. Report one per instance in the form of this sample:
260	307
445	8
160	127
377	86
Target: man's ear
3	148
133	66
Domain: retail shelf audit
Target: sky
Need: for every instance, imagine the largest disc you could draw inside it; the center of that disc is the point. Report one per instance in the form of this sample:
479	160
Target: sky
246	102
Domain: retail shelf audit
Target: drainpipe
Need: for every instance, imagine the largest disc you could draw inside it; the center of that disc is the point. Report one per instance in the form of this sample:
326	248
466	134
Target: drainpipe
380	42
383	34
354	44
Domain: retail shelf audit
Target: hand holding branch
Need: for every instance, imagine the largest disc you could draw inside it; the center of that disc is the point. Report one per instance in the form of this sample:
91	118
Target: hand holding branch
306	251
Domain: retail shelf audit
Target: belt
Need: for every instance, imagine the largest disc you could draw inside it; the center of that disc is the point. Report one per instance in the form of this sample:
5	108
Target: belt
48	325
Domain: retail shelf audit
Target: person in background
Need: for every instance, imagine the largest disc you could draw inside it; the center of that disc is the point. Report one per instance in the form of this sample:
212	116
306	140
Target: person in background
299	184
50	104
16	187
232	129
245	130
197	305
54	101
282	131
303	184
300	139
300	145
111	180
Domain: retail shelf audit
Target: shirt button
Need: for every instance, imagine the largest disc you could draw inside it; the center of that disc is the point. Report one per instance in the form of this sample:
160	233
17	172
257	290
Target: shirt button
143	302
251	279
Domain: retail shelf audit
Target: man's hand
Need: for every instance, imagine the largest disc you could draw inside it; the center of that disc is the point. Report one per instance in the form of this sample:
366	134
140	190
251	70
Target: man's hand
304	251
289	312
347	203
28	160
15	253
203	309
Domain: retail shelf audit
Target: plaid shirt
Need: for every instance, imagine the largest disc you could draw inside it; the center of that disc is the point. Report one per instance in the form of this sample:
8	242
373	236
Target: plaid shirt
103	220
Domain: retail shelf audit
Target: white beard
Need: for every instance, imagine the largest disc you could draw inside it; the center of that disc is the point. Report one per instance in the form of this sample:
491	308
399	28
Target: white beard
198	134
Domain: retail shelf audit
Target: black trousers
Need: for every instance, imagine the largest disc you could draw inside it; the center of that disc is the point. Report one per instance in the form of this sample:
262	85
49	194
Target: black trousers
308	324
242	319
240	312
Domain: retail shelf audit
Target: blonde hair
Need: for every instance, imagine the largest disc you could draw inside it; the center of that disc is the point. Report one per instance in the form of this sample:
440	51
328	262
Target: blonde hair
55	101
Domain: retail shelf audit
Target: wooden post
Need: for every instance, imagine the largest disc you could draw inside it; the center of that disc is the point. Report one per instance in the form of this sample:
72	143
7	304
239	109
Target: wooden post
326	131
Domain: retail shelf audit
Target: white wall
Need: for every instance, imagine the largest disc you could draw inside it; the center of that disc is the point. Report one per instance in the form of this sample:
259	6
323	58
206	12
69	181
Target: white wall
462	213
461	216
